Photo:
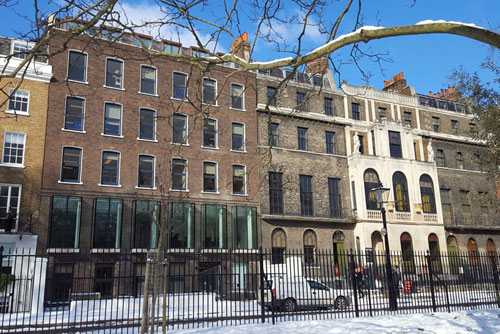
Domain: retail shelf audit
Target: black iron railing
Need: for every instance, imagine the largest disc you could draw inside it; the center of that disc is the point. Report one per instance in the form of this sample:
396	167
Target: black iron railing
87	291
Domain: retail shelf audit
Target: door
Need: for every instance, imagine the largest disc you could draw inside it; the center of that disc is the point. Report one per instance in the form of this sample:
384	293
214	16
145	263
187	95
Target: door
240	272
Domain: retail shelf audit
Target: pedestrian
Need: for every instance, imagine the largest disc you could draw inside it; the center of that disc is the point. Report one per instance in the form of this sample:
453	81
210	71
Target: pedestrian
9	221
395	282
359	281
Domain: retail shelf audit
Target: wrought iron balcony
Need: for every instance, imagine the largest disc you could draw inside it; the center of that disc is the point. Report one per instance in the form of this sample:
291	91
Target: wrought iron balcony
341	215
460	220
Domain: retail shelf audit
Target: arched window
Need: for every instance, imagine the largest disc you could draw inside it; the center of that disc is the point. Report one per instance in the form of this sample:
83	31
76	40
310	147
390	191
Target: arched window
427	194
434	252
278	246
339	259
310	243
400	192
491	251
371	181
407	252
451	247
472	250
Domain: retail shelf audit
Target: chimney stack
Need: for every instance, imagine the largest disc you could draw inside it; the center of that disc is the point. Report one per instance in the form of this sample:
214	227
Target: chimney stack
397	84
241	47
317	66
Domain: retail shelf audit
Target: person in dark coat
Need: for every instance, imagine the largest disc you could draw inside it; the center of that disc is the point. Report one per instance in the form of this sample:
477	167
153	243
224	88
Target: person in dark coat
395	282
359	280
9	221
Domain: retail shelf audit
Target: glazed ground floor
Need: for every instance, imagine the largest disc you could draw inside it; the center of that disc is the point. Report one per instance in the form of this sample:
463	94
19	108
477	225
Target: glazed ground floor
113	223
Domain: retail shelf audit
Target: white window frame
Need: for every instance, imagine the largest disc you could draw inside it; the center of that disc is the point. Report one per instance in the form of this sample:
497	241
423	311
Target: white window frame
155	140
244	138
118	185
104	120
83	119
13	43
245	193
186	143
86	66
106	73
242	97
186	189
10	185
13	93
216	102
216	177
154	171
216	147
186	87
81	166
8	164
156	80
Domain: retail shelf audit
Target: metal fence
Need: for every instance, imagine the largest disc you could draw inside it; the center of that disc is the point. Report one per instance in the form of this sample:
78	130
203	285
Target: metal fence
103	292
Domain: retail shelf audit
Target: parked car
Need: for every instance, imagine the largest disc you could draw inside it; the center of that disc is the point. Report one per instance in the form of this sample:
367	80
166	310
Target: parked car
292	293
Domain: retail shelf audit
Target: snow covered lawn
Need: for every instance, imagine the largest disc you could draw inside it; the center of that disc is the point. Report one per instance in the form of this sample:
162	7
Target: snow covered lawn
472	321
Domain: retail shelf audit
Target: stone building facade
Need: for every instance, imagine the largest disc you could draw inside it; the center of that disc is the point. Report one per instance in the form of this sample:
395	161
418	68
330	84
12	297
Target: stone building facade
415	145
305	196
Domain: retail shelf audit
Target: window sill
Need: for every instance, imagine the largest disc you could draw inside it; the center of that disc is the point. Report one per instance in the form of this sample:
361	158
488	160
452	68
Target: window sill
114	136
211	192
67	182
214	250
210	148
145	188
180	100
17	113
179	144
63	250
110	185
180	250
242	195
105	250
144	250
210	105
238	151
74	131
148	94
115	88
245	250
148	140
180	190
12	166
236	109
76	81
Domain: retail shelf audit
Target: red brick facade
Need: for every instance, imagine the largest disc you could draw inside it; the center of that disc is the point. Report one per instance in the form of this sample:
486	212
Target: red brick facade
93	142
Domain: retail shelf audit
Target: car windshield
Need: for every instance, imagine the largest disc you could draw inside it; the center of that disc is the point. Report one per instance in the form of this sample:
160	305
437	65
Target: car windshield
316	285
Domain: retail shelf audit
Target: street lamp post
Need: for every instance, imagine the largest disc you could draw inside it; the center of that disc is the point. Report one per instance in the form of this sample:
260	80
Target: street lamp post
382	196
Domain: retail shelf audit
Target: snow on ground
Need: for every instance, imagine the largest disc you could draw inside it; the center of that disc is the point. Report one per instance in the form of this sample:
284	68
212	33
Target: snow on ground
472	321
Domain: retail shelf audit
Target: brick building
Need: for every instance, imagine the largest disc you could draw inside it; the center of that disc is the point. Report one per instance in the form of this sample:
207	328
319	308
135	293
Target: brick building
305	196
130	137
323	150
22	134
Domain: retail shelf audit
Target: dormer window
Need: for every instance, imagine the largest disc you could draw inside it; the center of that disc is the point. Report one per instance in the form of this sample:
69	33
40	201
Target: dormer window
316	80
21	49
171	49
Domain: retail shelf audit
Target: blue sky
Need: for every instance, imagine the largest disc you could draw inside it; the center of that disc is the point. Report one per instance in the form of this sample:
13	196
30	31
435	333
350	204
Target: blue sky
425	60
